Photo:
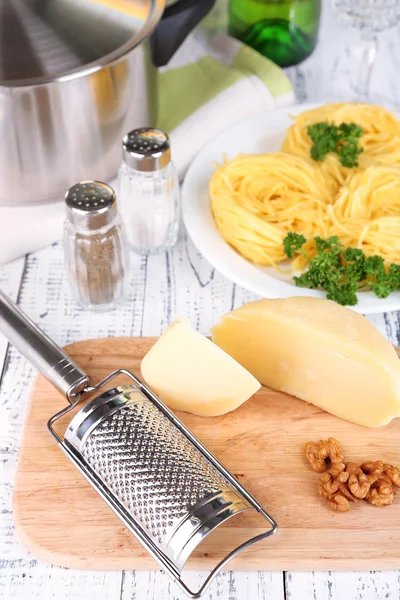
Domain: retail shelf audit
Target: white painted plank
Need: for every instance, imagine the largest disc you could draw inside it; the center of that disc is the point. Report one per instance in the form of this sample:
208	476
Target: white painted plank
377	585
29	580
10	282
229	585
46	297
183	284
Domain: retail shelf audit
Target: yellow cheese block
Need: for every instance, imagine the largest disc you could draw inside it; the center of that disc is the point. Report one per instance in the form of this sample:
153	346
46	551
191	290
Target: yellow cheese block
318	351
188	372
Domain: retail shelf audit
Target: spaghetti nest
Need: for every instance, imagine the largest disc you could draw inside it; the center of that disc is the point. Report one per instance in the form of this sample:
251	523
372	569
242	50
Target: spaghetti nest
366	213
380	140
257	199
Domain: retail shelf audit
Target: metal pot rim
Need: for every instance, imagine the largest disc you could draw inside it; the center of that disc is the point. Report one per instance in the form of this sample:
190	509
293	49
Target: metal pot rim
157	9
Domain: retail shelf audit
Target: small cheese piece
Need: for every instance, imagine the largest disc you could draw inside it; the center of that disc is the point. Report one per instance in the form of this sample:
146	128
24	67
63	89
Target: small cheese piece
188	372
318	351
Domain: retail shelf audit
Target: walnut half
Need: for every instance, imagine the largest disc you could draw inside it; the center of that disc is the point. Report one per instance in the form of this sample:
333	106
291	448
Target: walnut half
338	503
359	482
381	493
323	454
335	482
391	473
373	469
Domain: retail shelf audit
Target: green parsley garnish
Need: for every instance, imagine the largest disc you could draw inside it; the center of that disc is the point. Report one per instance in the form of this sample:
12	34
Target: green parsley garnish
342	139
292	243
340	271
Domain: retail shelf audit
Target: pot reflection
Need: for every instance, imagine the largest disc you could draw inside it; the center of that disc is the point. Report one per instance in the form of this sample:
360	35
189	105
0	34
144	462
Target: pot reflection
56	134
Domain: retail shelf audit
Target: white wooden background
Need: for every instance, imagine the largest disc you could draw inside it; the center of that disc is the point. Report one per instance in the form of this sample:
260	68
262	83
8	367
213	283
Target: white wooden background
162	288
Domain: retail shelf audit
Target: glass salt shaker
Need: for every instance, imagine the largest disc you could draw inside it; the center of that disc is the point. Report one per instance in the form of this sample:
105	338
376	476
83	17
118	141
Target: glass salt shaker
148	193
96	256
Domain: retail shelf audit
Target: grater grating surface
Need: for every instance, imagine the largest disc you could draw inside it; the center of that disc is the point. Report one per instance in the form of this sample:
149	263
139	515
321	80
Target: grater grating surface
161	481
151	467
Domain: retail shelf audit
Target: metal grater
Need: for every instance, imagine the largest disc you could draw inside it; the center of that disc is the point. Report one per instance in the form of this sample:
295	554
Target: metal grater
164	485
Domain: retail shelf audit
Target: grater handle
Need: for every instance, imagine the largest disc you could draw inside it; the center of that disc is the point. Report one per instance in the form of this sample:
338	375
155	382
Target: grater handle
40	350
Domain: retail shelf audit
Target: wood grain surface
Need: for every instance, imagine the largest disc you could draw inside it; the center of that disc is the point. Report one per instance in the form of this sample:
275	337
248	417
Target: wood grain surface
62	520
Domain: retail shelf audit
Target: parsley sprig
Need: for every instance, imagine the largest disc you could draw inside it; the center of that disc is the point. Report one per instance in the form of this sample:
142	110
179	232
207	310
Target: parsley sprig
340	271
341	139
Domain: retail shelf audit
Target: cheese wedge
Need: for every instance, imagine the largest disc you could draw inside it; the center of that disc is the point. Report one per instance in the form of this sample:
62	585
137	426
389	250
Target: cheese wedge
318	351
188	372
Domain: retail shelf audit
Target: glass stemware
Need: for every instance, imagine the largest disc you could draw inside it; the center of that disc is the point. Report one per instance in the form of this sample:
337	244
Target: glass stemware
369	17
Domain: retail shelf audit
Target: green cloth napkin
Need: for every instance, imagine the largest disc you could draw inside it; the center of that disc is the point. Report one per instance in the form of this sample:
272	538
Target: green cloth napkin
211	83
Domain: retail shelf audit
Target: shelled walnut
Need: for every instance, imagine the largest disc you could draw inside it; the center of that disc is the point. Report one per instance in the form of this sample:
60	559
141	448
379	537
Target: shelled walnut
373	469
359	481
392	474
343	482
381	493
323	453
339	503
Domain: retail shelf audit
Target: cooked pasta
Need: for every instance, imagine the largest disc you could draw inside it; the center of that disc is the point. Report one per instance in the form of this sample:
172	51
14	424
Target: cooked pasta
380	140
257	199
366	212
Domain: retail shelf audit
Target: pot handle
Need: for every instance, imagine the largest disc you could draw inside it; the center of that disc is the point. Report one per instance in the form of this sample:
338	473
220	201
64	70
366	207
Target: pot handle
177	22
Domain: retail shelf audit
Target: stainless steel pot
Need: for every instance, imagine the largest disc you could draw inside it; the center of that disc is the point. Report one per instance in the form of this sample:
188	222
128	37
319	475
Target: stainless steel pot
75	76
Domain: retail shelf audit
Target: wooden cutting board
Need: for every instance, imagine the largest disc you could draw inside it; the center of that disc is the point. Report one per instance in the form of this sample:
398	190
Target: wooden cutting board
62	520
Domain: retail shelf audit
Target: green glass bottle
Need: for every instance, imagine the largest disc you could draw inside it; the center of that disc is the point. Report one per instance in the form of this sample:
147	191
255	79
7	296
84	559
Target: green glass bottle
285	31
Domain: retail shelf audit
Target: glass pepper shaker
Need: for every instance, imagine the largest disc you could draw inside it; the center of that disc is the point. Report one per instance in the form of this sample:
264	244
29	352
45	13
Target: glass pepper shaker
96	256
148	193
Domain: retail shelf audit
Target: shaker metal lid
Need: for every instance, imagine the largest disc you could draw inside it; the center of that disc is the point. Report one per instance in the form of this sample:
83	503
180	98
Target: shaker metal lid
47	41
146	149
91	205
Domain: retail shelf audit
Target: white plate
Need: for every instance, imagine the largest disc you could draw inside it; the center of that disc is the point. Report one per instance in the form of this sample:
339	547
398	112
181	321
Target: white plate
260	134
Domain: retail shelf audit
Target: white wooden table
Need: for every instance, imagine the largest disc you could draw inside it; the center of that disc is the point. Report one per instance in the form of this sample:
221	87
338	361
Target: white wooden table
162	288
